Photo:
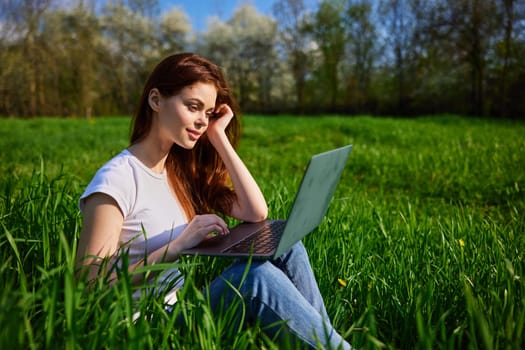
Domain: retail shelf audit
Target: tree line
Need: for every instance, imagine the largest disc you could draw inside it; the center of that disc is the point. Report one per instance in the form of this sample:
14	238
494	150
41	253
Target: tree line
380	57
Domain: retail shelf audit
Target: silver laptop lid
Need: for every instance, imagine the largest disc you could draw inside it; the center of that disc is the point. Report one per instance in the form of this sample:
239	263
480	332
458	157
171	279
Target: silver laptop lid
314	195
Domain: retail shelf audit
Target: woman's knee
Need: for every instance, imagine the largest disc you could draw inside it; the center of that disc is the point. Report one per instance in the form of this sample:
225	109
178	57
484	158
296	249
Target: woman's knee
245	273
299	249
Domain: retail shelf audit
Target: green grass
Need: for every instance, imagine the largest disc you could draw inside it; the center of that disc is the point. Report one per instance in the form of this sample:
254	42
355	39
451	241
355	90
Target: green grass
426	229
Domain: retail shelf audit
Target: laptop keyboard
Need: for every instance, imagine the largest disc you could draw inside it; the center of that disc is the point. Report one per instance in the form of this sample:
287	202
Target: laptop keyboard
262	242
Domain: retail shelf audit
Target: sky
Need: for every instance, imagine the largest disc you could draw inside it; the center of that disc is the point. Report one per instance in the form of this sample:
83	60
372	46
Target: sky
199	11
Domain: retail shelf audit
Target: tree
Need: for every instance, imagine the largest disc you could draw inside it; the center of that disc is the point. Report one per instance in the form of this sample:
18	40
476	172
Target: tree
509	55
245	48
475	30
362	51
173	32
468	27
295	42
398	23
26	56
73	74
130	43
329	33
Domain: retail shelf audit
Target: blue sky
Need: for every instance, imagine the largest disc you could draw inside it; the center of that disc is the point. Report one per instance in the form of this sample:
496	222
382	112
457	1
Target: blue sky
199	10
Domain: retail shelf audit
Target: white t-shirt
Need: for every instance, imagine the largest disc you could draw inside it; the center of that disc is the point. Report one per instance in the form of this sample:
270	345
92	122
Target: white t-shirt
152	215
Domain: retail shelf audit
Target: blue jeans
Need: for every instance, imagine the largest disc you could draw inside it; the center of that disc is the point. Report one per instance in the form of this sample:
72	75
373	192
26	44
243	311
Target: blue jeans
282	291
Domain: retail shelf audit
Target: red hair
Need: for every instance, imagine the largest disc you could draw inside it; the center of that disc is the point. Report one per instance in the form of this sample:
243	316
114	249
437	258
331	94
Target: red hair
198	176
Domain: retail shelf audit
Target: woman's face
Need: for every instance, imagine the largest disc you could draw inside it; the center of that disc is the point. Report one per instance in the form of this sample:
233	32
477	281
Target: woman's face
183	118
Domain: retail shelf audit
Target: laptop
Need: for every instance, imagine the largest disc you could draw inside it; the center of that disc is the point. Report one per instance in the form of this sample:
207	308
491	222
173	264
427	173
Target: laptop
269	239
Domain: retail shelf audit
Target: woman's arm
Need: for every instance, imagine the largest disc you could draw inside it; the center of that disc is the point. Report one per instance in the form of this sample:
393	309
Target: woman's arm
250	205
101	227
99	237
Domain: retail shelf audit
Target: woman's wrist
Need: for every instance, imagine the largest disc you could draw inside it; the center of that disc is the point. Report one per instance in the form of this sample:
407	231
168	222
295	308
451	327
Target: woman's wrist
218	138
174	249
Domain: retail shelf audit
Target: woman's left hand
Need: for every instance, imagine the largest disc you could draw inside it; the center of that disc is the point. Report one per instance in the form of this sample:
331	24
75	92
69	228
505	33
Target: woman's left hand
217	125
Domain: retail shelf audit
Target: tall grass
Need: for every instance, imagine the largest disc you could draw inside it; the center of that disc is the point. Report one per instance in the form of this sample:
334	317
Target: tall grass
422	246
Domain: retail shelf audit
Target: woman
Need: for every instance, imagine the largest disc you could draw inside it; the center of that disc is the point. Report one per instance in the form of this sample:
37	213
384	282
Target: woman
157	198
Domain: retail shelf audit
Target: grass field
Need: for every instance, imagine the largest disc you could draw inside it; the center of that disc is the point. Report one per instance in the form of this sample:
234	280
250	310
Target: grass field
422	246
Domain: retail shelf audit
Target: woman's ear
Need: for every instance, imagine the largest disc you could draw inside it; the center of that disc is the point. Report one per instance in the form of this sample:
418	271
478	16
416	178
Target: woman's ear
154	99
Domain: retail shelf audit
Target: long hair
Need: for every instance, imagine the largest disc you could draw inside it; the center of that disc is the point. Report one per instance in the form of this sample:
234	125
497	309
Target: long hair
198	176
